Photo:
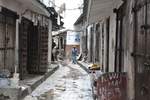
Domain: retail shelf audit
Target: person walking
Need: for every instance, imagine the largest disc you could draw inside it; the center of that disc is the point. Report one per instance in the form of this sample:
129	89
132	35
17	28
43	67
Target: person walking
53	45
74	55
55	53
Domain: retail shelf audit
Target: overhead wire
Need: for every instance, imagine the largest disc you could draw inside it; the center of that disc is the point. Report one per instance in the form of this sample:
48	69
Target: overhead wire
80	7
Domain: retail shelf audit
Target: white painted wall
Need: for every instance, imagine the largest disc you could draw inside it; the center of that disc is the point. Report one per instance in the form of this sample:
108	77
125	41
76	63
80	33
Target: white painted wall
112	36
112	42
89	41
73	38
49	42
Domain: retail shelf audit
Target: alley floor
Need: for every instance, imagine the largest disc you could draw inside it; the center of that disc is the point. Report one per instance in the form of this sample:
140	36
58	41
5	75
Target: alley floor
69	82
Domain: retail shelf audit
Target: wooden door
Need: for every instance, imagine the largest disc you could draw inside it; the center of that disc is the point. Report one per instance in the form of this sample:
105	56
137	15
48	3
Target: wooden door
142	49
23	46
7	41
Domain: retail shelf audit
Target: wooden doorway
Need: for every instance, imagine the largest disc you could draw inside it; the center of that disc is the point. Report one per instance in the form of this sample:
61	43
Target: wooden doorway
141	52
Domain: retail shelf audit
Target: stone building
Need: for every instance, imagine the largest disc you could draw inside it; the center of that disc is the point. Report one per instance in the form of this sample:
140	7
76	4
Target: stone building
117	38
60	40
66	40
25	41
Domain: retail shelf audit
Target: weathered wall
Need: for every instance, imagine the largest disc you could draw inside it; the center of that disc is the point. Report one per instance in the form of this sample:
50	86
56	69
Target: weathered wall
99	15
103	42
26	9
112	40
128	41
128	49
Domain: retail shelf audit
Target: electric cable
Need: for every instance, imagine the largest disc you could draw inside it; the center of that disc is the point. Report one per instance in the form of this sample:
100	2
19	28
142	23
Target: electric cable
80	7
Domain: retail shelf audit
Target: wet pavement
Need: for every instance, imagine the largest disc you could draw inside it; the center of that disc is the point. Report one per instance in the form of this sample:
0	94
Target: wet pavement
69	82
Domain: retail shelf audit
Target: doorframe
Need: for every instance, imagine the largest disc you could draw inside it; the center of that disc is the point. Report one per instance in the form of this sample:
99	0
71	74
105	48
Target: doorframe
119	57
107	43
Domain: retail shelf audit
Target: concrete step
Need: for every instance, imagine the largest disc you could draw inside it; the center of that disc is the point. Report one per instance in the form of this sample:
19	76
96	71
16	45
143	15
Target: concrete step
33	85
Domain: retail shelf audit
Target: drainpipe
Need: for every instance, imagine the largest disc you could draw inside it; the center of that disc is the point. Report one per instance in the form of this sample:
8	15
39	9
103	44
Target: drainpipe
17	46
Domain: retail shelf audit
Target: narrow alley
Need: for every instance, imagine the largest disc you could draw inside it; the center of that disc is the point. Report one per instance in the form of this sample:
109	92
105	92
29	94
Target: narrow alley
69	82
106	40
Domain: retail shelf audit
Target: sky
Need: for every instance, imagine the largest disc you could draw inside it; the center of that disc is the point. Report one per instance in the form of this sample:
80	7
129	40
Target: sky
70	16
